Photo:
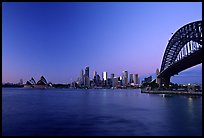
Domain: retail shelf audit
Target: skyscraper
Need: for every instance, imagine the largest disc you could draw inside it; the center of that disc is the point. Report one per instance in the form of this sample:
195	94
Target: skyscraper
120	81
81	77
81	73
157	79
112	79
136	79
105	76
125	78
96	79
87	72
86	77
131	78
94	74
114	82
120	78
157	71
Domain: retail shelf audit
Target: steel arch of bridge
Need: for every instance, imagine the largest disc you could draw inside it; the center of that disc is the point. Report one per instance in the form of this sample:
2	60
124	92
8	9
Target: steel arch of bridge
182	42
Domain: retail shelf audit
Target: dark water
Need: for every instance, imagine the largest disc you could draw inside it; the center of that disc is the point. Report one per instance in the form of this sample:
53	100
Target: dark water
98	112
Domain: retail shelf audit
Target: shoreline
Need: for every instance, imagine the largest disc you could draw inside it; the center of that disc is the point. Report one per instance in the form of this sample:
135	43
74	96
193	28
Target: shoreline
142	91
73	88
172	92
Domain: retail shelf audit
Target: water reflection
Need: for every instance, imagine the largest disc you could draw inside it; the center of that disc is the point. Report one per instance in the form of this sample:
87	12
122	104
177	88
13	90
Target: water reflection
99	112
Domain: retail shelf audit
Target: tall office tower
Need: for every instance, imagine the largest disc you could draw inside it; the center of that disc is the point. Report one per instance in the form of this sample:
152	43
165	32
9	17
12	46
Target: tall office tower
125	78
131	78
87	72
94	74
157	71
136	80
120	81
112	79
157	79
81	73
120	78
105	75
105	78
86	81
109	82
81	77
115	82
86	77
97	80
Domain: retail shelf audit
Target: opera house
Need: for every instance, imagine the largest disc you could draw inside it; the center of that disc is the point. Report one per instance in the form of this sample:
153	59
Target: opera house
42	83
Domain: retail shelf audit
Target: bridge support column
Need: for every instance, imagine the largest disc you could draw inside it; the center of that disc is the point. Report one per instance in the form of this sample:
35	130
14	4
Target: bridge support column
164	82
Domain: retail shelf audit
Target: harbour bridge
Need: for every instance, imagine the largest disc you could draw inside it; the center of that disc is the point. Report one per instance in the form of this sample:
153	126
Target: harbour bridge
184	50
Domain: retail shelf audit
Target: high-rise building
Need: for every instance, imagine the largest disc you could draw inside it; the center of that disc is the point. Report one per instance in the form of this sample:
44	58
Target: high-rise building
86	77
131	78
120	81
104	79
109	82
136	79
115	82
157	79
157	71
94	74
87	72
125	78
112	79
105	76
81	80
120	78
86	81
98	80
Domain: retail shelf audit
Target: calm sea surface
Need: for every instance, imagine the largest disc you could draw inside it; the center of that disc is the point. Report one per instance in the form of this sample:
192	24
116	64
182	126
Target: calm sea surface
98	112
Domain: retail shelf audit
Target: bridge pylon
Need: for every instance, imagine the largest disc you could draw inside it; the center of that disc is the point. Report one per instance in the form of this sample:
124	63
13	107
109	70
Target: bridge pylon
164	82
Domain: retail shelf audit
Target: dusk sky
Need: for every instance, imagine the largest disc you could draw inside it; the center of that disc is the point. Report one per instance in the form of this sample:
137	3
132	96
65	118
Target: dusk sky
57	40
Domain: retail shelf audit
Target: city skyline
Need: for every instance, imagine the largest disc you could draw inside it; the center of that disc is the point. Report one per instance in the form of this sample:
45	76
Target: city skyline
183	77
57	40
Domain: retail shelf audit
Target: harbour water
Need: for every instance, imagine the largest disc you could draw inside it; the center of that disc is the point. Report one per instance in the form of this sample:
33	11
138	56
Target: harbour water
96	112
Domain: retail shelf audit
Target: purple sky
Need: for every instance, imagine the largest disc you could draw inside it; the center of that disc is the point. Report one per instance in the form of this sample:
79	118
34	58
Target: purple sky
57	40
